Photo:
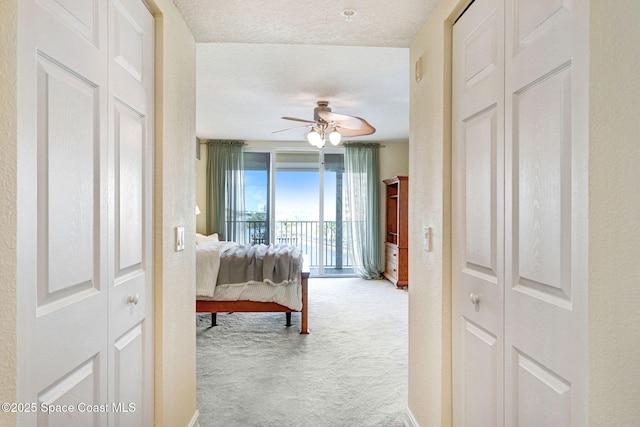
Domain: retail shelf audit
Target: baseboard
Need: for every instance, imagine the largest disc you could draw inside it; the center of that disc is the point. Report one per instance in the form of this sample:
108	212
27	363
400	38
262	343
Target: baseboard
195	420
409	419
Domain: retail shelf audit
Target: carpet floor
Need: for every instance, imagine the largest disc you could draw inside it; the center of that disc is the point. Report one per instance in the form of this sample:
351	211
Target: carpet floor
351	370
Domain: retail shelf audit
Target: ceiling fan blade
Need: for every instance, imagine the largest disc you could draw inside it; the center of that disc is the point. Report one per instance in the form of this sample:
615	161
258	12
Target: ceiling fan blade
345	121
298	120
327	121
295	127
365	129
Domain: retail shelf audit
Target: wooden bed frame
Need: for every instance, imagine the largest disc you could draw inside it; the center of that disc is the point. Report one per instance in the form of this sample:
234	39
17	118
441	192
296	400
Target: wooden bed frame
213	307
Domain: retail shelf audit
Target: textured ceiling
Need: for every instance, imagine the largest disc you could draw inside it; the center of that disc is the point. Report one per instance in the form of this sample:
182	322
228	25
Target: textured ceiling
262	59
378	23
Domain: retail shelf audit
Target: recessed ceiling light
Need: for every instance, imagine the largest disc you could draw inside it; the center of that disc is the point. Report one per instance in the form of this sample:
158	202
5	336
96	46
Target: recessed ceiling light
348	14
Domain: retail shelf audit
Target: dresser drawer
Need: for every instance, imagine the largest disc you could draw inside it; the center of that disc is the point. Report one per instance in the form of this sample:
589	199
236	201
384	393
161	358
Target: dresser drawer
391	262
391	271
391	253
396	264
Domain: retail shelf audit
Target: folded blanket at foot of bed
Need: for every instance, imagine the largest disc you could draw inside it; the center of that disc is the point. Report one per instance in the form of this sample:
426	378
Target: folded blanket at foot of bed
273	264
231	272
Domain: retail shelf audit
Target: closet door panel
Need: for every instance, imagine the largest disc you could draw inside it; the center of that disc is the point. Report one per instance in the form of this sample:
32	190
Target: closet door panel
542	148
480	192
62	296
544	397
546	212
478	211
131	35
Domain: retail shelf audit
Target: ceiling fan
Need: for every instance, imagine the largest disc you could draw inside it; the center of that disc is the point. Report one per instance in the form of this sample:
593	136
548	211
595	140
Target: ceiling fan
332	125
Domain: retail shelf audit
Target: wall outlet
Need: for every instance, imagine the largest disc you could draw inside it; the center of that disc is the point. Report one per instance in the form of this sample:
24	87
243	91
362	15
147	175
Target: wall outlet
179	239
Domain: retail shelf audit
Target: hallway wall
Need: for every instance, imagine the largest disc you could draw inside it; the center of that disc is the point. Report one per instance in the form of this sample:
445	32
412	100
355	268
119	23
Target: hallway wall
174	205
614	214
8	210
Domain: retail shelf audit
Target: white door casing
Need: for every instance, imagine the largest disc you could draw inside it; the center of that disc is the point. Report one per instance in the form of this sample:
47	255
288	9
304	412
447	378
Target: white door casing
77	334
478	215
543	184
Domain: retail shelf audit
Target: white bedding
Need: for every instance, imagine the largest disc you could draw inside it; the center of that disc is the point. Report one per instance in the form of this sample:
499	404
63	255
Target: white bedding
289	295
207	267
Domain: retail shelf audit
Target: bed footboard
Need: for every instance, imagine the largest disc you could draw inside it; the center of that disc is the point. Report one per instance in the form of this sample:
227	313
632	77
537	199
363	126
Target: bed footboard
213	307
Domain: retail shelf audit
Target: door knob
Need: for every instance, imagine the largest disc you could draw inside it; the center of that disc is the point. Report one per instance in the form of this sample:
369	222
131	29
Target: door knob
475	298
133	299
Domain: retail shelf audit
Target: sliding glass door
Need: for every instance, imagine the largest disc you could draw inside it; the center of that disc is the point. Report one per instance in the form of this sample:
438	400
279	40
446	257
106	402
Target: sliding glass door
335	245
297	203
295	197
257	184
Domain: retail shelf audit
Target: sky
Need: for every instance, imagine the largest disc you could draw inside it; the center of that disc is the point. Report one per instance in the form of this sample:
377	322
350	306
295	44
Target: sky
297	194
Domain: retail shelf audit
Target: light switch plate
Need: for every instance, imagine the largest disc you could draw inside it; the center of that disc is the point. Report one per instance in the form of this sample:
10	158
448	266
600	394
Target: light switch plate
179	239
426	238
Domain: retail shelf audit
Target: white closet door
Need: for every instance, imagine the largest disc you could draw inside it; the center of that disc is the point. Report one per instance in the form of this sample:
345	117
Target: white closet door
478	215
62	200
131	164
546	212
72	308
539	211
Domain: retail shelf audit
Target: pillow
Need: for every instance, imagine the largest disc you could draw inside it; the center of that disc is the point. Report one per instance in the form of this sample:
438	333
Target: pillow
201	238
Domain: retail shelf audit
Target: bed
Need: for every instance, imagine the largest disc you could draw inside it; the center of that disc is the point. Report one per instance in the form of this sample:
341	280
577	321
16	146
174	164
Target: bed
250	278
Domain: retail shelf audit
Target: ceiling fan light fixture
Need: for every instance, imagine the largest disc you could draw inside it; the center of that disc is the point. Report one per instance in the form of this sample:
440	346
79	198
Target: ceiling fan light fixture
335	137
315	139
326	124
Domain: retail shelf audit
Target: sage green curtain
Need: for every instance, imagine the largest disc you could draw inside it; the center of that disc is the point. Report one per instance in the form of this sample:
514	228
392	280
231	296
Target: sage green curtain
225	190
361	164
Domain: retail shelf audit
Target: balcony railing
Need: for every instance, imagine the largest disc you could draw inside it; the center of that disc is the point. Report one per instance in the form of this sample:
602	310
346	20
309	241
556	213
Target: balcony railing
306	236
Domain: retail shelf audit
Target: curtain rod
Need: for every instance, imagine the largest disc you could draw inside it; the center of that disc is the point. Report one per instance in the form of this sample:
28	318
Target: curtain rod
222	142
204	142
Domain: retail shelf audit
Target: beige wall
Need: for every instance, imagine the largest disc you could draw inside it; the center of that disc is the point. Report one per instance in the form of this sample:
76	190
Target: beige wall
174	281
394	161
429	399
614	212
8	214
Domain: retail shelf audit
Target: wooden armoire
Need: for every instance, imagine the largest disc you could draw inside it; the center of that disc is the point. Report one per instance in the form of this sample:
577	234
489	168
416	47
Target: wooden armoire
396	263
